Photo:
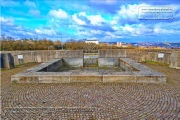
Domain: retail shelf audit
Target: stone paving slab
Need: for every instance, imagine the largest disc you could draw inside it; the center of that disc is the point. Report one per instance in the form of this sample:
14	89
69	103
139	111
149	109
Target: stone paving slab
88	101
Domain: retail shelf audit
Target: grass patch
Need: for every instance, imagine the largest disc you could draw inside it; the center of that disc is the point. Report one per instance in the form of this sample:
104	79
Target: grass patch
156	63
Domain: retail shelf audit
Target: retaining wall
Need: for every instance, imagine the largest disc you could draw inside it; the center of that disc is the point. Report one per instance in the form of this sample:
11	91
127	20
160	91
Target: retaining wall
10	58
37	56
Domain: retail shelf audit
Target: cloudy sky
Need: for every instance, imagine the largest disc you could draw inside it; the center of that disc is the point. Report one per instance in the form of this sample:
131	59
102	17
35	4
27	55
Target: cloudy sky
105	20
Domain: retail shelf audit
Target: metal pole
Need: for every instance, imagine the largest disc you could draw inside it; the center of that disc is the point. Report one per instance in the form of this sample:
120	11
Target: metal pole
111	42
62	43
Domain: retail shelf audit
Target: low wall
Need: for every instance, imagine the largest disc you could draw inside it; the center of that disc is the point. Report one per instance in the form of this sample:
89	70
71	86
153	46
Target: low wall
37	56
175	60
37	74
126	66
110	57
75	62
90	61
112	53
108	62
10	58
52	66
149	55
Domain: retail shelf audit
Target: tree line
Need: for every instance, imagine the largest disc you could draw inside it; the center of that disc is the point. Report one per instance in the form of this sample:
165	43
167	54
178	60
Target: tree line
45	44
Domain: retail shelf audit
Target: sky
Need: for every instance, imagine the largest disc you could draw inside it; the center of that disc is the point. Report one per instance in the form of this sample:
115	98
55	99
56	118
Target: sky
103	20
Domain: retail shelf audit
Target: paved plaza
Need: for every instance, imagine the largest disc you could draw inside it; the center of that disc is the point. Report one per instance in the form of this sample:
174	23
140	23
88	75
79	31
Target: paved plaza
91	101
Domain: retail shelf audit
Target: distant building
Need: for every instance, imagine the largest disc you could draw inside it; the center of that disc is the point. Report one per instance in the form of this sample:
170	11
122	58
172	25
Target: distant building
92	41
121	44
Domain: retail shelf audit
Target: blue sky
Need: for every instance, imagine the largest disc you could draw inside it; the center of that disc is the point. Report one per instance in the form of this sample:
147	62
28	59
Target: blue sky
105	20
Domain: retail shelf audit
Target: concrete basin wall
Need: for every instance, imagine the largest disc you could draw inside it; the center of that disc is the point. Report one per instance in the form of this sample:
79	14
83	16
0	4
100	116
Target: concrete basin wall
75	62
110	57
36	75
52	66
108	62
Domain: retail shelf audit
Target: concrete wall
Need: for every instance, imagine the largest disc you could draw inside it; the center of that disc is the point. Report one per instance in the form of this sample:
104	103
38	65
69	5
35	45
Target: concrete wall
175	60
37	56
110	57
108	62
112	53
90	61
153	56
36	75
7	60
138	55
148	55
75	62
127	67
52	66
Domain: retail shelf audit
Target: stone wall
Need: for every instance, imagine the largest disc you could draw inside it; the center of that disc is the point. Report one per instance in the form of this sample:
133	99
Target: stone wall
37	56
75	62
175	60
90	61
108	62
148	55
52	66
142	74
110	57
112	53
10	58
7	60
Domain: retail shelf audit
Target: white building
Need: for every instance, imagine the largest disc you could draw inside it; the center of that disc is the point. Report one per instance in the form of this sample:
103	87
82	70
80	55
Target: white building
121	44
92	41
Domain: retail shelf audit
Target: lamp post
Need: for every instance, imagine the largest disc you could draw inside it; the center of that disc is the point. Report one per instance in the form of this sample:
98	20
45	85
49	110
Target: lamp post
61	43
110	44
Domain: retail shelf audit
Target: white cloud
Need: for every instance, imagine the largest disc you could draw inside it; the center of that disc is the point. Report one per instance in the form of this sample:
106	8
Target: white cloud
60	14
127	13
45	31
128	28
77	20
2	19
34	12
8	21
82	14
29	4
138	29
96	19
158	30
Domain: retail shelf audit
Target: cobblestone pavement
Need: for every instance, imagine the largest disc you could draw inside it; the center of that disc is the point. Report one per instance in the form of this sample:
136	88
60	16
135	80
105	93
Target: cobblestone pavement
88	101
